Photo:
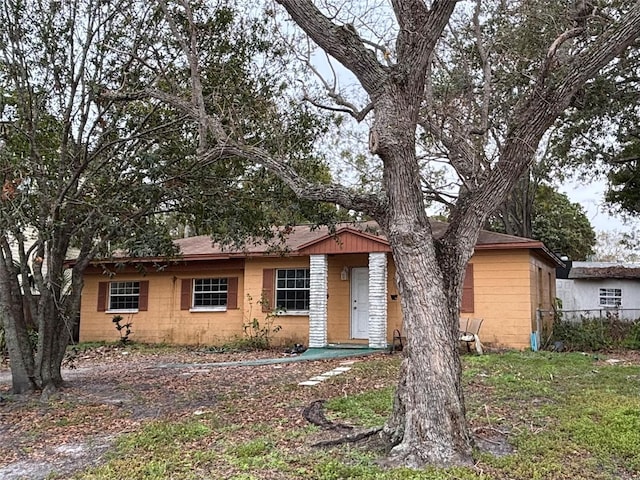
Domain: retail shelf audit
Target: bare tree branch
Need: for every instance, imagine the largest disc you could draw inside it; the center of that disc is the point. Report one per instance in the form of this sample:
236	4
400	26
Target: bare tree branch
486	72
358	115
340	41
333	193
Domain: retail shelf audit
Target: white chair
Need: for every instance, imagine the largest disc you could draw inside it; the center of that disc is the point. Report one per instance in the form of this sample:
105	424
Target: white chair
469	333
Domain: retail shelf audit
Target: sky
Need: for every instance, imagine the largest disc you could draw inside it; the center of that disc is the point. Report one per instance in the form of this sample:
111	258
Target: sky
591	197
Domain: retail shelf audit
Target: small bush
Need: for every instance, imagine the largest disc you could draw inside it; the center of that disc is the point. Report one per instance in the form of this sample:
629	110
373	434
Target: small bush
258	334
594	334
632	339
124	329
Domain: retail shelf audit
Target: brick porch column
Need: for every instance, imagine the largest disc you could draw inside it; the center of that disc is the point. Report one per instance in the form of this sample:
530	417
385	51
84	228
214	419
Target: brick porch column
318	301
378	300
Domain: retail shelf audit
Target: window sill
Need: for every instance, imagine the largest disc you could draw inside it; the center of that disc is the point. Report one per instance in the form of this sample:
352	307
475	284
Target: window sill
292	313
208	309
127	310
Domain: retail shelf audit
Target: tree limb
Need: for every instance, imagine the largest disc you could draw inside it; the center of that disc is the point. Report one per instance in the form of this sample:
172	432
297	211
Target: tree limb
358	115
342	42
332	193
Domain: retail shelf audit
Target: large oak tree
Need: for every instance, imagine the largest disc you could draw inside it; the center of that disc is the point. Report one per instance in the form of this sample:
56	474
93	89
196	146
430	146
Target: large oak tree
76	171
82	174
400	83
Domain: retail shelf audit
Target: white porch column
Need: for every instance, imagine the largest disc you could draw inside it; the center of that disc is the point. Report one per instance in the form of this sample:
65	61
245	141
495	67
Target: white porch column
318	301
378	300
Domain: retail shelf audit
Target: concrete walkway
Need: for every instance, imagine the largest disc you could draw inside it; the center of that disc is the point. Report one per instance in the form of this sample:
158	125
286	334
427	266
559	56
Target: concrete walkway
309	355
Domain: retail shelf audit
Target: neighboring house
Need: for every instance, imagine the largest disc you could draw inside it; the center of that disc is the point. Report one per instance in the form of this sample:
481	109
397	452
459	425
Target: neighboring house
334	289
600	288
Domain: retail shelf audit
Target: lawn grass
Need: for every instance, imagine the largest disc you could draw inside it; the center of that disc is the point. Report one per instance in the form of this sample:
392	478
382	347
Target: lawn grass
567	416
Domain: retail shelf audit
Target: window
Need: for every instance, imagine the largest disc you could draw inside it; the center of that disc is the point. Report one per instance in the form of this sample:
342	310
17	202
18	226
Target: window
210	292
610	297
124	295
292	289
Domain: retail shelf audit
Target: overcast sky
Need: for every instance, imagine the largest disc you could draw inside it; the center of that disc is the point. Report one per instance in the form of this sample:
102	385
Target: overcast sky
591	197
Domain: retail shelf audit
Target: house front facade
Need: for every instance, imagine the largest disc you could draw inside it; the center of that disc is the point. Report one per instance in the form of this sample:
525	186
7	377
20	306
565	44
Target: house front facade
326	289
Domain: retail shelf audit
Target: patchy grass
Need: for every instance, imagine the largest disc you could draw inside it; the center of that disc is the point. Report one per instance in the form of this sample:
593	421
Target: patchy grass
566	416
368	409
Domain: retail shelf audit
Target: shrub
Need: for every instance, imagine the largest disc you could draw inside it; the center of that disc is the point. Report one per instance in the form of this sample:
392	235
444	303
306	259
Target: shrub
593	334
258	334
124	329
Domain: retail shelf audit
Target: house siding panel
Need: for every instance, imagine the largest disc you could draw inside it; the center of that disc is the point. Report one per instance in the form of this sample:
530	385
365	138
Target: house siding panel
584	294
346	243
294	328
503	297
164	321
339	307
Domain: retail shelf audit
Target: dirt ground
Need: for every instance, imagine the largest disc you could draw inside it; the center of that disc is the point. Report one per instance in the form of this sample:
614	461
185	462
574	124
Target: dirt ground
111	391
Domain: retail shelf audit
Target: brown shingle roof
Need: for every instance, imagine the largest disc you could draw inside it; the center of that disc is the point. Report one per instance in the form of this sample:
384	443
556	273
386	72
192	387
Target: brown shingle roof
594	271
301	236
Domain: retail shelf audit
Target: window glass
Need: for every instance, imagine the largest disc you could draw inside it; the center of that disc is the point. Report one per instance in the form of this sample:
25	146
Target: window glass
124	295
210	292
292	289
610	297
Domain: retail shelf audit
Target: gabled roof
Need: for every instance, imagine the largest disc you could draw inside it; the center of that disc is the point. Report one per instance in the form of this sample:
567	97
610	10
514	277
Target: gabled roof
345	240
357	237
303	240
604	270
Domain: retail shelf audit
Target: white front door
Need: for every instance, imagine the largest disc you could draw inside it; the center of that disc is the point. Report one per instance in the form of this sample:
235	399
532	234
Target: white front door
360	303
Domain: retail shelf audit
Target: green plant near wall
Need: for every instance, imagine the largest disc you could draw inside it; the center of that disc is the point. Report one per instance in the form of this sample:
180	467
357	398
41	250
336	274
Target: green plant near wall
124	329
258	333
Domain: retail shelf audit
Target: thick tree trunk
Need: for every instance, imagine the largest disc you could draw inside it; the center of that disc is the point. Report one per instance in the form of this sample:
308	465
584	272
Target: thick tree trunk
428	424
54	335
15	328
20	353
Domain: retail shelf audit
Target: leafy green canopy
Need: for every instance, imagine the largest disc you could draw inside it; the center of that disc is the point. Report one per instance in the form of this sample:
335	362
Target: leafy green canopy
599	135
128	174
561	224
554	220
233	199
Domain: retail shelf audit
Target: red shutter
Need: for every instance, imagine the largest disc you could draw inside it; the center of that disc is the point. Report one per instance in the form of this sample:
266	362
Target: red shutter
143	300
232	293
268	300
467	291
185	294
103	288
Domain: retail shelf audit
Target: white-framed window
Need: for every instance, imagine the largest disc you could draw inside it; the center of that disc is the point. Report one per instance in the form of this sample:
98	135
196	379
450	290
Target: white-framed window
610	297
210	293
124	296
292	289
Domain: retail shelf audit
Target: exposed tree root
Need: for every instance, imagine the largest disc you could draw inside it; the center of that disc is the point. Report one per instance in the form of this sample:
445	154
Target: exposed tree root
314	413
349	438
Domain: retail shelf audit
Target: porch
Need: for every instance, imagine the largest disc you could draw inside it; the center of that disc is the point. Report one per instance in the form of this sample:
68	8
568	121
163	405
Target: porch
348	300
